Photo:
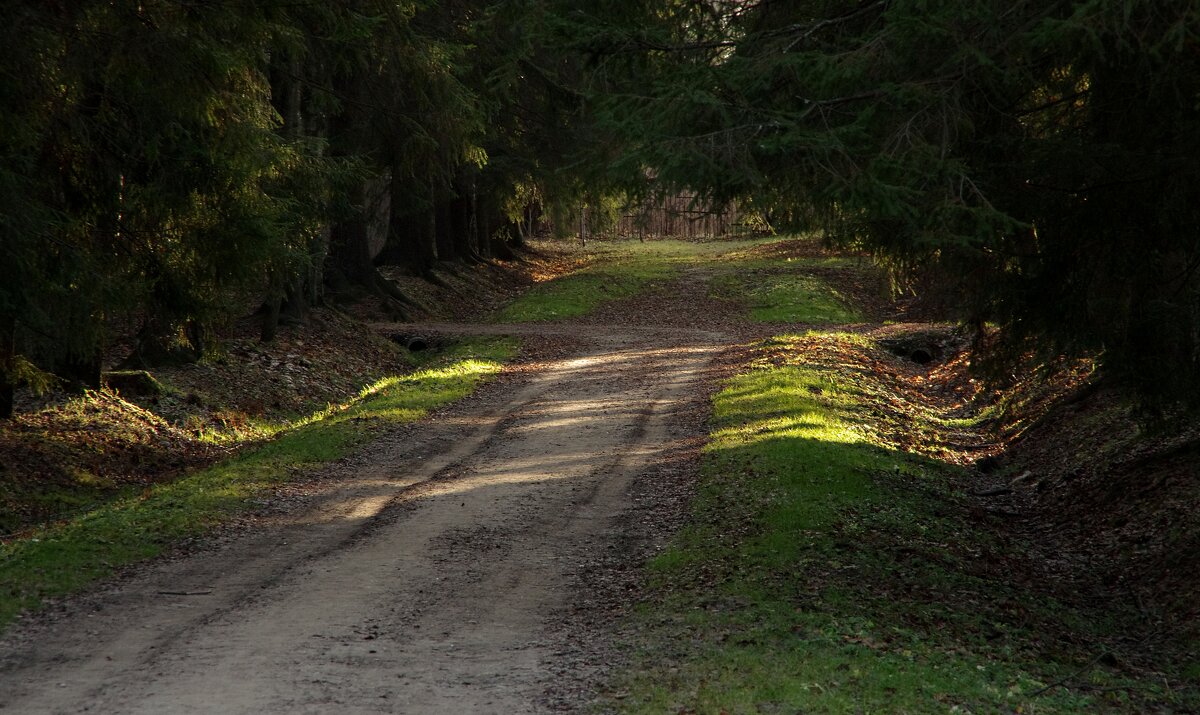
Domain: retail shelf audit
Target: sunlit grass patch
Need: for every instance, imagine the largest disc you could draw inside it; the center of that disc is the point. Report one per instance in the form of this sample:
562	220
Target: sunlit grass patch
747	260
616	270
581	293
825	571
776	296
742	270
66	557
680	249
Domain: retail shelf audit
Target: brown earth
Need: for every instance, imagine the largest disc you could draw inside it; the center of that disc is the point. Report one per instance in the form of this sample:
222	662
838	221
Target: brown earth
442	569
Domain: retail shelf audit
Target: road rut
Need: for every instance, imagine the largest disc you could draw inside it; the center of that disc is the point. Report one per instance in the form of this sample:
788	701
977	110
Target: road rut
422	580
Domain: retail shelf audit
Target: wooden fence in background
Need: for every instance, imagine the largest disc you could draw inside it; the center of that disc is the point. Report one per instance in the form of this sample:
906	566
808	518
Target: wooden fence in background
680	216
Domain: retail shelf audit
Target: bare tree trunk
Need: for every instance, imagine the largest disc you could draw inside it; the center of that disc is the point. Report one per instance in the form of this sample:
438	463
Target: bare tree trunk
521	236
534	212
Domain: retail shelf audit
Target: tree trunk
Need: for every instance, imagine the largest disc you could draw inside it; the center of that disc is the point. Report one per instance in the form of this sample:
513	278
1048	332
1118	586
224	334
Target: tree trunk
444	226
427	237
412	239
197	334
349	243
81	372
314	280
500	247
460	226
519	236
290	291
271	307
295	302
8	355
288	304
270	317
485	226
459	222
524	226
351	262
448	226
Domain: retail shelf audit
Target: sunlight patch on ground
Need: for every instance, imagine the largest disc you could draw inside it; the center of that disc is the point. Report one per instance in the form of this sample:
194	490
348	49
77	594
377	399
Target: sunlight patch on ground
65	557
824	571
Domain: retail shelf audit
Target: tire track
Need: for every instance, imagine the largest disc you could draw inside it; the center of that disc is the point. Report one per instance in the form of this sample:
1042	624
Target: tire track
421	583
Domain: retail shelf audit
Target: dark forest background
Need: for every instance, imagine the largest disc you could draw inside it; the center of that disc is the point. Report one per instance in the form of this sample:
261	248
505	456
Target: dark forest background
166	164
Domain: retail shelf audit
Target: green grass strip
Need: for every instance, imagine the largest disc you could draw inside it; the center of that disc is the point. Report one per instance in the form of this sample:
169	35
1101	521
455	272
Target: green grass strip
824	573
785	297
618	269
622	269
66	558
580	293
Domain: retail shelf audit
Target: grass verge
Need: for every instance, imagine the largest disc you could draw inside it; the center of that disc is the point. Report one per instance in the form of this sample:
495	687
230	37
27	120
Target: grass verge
773	296
64	558
619	269
823	572
580	293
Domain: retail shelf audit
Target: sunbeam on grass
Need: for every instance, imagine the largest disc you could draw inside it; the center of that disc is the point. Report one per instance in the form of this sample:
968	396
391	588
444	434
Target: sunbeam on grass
618	270
65	557
786	297
824	572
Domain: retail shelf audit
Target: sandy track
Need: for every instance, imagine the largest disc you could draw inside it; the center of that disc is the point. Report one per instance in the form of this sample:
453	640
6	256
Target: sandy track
423	580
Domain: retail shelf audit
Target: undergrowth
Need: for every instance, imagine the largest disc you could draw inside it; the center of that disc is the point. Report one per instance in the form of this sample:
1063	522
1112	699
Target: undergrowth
825	571
65	557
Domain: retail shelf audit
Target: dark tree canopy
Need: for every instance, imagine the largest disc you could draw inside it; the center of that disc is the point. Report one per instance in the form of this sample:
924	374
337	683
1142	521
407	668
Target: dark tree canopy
1040	159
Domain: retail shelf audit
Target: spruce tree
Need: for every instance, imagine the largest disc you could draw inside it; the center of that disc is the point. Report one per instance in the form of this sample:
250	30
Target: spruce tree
1041	157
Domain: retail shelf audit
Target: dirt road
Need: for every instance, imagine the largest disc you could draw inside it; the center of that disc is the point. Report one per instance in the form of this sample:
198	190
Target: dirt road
427	575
